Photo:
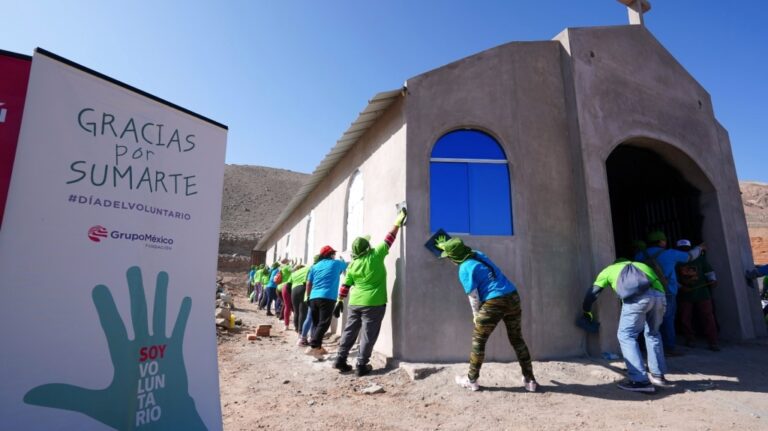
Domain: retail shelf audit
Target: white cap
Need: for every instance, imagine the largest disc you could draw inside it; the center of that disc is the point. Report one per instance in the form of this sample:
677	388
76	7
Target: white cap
683	243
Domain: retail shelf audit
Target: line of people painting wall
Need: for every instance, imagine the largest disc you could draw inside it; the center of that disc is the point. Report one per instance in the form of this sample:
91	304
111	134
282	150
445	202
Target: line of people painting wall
661	288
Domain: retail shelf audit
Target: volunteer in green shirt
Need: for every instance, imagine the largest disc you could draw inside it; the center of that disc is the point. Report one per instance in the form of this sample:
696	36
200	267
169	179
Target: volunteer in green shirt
264	281
256	283
643	306
286	271
298	287
367	281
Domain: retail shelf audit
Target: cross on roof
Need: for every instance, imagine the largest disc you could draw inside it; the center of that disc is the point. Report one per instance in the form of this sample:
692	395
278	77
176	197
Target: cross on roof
636	9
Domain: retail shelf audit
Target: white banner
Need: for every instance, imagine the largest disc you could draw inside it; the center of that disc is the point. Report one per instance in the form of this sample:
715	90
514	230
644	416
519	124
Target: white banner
108	260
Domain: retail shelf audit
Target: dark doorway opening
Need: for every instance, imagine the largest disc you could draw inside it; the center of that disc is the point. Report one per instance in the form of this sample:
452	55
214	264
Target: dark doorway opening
647	193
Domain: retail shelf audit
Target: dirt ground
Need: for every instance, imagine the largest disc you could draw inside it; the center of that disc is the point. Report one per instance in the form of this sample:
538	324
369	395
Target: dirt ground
270	384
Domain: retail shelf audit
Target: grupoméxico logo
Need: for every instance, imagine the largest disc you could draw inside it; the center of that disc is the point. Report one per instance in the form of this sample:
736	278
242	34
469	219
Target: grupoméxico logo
99	233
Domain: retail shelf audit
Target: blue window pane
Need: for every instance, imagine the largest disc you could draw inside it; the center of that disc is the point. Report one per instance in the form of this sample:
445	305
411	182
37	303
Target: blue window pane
467	144
490	208
449	194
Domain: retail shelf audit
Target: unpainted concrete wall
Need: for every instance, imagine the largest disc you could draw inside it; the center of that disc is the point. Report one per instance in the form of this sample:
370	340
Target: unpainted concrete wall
380	157
629	89
516	93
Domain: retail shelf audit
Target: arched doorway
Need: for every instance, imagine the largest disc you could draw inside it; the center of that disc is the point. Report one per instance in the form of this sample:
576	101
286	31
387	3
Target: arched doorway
647	193
655	186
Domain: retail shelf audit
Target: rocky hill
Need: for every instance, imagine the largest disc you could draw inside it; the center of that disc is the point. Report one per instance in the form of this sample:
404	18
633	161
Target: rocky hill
754	196
254	196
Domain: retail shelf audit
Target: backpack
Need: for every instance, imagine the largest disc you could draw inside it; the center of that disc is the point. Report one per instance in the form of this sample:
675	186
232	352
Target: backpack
631	282
654	264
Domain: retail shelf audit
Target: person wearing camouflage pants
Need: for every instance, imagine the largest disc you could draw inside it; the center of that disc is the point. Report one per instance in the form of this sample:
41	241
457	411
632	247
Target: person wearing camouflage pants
507	309
493	299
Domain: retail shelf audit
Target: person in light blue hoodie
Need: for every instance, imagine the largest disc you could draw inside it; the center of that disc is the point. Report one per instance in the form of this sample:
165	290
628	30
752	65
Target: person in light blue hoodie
493	299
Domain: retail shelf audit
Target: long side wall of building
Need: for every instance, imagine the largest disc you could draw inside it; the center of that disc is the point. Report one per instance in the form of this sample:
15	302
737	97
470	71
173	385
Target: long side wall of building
379	156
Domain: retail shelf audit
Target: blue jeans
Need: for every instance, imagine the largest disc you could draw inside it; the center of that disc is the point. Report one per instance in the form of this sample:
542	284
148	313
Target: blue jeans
668	324
271	296
645	312
307	326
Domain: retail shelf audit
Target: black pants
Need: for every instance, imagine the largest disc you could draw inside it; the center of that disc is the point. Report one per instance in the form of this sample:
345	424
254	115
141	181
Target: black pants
299	306
322	313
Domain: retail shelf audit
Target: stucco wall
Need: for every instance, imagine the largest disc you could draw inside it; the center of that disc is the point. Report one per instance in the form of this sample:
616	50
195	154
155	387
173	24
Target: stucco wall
629	88
516	93
380	157
558	108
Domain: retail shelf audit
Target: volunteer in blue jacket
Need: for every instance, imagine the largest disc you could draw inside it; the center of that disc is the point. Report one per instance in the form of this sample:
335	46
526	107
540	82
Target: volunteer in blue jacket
667	260
323	288
493	298
271	287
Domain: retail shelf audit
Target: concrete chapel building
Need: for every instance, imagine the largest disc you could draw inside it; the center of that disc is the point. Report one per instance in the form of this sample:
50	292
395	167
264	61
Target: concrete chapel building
549	156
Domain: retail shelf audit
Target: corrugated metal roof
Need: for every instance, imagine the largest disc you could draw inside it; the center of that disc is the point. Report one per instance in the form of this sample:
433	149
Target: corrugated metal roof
367	118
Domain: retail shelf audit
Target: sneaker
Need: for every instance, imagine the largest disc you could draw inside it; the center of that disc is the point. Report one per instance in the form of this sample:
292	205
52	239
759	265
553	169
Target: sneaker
660	381
342	366
363	370
629	385
530	385
302	342
323	351
269	314
464	382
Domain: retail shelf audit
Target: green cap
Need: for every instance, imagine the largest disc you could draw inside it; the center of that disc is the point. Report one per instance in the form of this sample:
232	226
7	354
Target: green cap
656	236
361	246
455	250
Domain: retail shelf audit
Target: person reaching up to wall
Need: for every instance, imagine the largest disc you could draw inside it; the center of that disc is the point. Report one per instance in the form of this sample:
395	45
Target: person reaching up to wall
262	300
298	287
322	287
663	262
286	271
367	281
697	279
643	306
493	299
271	287
249	282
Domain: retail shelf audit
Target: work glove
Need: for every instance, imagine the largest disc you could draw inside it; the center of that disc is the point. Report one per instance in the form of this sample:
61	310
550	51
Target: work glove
338	309
439	241
401	216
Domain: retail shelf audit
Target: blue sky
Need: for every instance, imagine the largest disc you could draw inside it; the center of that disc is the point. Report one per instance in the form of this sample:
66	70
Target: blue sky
288	76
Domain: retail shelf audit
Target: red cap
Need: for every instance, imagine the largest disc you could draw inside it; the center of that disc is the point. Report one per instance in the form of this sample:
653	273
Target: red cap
327	250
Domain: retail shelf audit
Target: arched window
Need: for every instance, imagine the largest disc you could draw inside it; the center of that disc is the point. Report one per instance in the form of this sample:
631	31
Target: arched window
354	215
469	185
309	246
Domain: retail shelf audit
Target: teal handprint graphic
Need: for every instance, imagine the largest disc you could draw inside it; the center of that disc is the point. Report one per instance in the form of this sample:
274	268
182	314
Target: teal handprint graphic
149	388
